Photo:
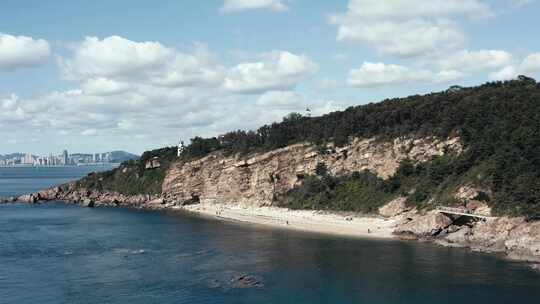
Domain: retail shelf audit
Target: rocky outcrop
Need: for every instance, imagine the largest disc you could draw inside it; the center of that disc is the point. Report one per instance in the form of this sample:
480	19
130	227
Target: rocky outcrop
394	207
28	198
7	200
514	237
428	225
71	194
523	242
474	199
257	179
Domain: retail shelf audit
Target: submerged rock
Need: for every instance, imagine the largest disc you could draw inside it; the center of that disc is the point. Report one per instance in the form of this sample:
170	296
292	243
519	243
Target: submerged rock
246	281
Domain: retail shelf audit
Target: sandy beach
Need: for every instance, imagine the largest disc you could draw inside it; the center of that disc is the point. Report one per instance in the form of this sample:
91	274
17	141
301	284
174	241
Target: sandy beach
304	220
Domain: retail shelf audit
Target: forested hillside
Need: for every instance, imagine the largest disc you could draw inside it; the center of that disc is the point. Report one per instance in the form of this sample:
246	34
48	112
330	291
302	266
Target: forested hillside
498	123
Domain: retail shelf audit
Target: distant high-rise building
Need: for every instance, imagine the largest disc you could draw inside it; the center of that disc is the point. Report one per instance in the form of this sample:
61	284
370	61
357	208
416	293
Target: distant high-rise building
65	158
28	159
96	158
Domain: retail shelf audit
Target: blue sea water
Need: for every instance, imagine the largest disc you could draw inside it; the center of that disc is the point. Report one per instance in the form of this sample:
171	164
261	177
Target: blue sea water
15	181
58	253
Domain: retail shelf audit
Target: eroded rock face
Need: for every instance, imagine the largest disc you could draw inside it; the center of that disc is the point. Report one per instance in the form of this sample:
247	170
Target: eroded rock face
425	226
474	199
491	235
523	242
394	207
257	179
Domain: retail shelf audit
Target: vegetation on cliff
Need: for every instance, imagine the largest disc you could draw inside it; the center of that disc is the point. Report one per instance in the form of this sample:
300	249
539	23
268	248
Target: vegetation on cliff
498	123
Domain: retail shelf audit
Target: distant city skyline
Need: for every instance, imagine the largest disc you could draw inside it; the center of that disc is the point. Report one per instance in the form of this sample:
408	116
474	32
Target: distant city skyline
62	159
173	70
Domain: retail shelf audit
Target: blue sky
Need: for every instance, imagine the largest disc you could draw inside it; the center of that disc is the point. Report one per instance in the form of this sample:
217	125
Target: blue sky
130	74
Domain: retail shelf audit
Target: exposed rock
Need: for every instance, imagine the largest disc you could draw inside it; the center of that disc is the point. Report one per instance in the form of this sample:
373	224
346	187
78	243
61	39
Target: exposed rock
474	199
491	235
195	199
453	228
467	193
460	236
88	203
424	226
28	198
157	201
258	178
395	207
480	208
49	194
523	242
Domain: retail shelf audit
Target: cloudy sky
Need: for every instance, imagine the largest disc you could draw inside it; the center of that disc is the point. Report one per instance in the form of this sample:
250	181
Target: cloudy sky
99	75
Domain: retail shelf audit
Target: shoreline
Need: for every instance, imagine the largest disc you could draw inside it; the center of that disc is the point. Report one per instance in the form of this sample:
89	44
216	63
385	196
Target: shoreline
320	222
514	237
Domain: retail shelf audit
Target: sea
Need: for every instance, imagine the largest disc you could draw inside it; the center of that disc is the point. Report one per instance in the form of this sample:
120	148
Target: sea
57	253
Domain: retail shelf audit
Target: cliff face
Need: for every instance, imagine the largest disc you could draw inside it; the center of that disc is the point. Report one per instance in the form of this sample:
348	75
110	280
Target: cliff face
255	180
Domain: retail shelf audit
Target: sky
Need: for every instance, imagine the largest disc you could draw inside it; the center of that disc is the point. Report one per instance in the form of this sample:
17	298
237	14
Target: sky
134	75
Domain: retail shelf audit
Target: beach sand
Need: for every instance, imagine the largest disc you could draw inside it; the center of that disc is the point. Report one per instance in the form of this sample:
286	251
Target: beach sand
304	220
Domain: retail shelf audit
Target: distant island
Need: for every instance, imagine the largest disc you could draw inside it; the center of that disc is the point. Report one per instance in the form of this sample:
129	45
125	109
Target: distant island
66	159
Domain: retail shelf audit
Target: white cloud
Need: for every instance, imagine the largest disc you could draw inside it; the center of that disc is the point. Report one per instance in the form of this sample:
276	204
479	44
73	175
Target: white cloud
120	59
11	110
281	100
241	5
529	66
417	8
480	60
327	84
278	70
506	73
89	132
123	89
104	86
405	28
520	3
380	74
22	51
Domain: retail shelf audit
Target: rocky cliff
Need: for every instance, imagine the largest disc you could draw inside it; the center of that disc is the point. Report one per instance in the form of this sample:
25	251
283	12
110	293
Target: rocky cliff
257	179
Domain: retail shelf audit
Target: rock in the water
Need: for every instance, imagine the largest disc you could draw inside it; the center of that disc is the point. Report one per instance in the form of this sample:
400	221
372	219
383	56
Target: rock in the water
425	226
460	236
523	242
491	235
246	281
88	203
28	198
395	207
